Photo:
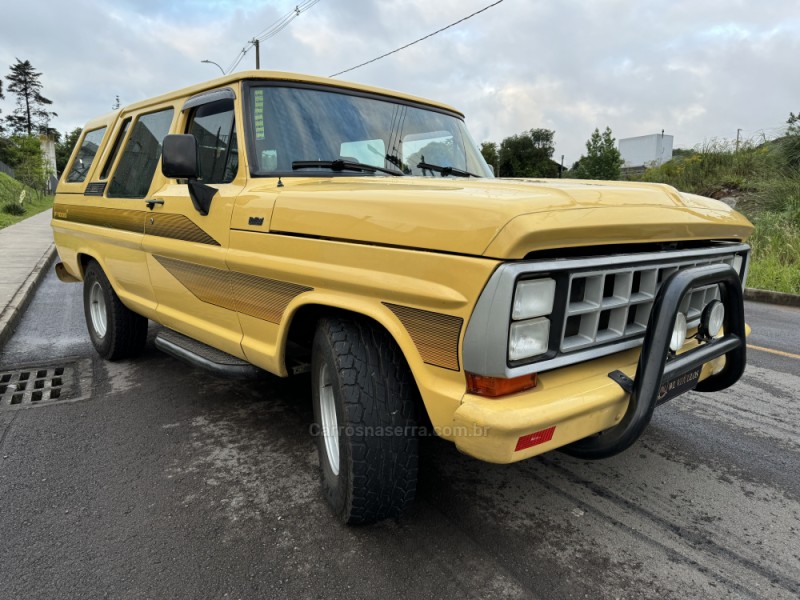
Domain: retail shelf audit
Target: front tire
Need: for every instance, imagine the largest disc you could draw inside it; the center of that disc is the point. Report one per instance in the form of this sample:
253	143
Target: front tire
116	331
365	402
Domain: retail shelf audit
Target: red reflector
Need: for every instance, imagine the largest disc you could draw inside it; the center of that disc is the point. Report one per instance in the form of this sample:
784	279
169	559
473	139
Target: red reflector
492	387
534	439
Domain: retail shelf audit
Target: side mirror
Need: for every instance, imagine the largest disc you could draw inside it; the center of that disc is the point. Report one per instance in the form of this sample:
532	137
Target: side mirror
179	156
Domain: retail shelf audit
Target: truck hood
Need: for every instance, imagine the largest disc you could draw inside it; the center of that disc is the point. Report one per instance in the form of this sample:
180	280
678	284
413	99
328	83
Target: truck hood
498	218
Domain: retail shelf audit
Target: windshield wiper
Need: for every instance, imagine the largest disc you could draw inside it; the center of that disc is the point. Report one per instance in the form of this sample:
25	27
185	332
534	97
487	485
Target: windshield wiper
445	171
342	165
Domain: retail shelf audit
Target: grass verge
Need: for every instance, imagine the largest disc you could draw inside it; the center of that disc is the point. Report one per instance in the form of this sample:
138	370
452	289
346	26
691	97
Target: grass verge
775	261
764	181
33	207
33	203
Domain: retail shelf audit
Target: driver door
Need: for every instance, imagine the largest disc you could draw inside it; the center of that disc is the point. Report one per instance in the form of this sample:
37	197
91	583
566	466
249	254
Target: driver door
186	249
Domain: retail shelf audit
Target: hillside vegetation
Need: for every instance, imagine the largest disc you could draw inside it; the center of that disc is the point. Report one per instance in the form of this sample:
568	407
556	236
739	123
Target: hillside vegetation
11	209
763	182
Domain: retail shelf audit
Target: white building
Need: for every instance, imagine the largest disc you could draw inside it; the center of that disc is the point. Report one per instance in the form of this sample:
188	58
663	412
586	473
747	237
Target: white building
645	150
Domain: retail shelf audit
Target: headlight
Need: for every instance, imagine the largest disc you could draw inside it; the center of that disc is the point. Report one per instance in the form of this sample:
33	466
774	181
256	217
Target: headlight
528	338
533	298
737	264
678	333
713	319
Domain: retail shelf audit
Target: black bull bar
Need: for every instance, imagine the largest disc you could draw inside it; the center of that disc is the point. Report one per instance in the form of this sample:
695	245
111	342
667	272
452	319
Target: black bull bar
659	372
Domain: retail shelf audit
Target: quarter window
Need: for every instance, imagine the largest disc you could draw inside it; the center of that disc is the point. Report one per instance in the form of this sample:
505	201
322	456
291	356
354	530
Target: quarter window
139	159
214	127
88	150
115	150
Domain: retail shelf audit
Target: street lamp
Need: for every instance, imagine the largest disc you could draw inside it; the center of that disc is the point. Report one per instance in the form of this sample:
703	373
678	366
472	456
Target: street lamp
211	62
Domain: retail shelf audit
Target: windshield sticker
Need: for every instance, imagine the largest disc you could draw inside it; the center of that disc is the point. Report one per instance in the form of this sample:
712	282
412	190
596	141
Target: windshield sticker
258	113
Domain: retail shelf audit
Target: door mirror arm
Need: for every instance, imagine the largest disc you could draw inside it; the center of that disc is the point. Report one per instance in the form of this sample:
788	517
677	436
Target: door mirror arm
201	195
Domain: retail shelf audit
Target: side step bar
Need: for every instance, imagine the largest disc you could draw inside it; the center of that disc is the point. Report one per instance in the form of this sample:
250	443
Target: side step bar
205	357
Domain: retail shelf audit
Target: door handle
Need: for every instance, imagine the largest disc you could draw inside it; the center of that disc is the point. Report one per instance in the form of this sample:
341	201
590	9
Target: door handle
151	203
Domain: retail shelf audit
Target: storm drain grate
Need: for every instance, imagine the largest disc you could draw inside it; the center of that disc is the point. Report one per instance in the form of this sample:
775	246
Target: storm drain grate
32	386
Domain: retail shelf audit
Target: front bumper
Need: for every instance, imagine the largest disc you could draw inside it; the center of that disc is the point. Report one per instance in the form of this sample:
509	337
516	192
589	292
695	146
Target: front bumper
577	402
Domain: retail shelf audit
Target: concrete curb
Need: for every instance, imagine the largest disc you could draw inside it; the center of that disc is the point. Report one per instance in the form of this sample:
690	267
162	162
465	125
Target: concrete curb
16	308
769	297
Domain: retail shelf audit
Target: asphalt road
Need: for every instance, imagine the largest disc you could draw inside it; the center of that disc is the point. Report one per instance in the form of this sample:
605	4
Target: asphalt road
163	482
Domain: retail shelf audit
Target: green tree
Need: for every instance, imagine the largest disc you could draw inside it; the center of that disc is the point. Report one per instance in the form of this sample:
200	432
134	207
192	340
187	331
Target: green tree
683	152
528	154
31	115
64	149
490	155
602	160
790	144
2	97
793	122
24	154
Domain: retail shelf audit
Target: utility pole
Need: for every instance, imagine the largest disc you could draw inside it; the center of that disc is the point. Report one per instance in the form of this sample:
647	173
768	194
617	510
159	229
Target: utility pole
256	43
738	131
561	167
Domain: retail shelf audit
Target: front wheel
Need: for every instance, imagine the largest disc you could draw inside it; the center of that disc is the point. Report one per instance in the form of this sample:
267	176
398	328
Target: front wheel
116	331
365	403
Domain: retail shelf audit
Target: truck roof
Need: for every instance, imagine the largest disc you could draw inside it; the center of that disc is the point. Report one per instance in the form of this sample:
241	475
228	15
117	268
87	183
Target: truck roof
273	76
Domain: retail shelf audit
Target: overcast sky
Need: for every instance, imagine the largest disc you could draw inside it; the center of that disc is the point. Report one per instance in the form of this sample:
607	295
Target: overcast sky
697	69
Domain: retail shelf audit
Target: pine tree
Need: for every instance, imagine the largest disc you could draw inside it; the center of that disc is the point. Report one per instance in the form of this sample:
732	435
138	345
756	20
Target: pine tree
602	160
31	115
2	97
793	122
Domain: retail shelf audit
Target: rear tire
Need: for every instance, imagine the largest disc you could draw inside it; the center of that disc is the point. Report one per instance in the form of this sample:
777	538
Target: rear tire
116	331
365	402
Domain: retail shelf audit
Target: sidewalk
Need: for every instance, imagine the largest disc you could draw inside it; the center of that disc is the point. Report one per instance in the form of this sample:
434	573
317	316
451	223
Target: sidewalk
26	252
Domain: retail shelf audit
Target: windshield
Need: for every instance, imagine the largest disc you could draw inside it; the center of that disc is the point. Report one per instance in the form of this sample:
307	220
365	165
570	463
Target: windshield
297	126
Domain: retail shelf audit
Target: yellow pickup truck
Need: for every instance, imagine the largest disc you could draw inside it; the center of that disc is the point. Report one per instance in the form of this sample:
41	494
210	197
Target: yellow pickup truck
285	223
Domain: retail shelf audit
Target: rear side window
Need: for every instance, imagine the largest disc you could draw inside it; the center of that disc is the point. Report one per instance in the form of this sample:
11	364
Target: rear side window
115	150
86	153
139	159
214	127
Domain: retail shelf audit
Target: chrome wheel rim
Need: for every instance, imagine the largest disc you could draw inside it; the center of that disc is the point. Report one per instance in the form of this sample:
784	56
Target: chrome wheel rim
97	309
327	412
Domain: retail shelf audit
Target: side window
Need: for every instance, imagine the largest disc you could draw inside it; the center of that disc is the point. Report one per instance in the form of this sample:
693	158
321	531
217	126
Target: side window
134	173
86	153
214	127
115	150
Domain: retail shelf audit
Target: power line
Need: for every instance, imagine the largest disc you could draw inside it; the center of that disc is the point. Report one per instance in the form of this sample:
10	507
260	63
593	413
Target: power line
271	31
485	8
288	18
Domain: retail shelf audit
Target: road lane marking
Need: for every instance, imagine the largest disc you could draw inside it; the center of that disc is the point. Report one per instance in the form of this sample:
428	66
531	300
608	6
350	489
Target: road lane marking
778	352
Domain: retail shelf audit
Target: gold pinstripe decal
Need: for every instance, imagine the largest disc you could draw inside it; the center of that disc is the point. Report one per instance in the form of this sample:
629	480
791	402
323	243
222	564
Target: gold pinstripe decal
206	283
263	298
258	297
174	226
178	227
113	218
435	335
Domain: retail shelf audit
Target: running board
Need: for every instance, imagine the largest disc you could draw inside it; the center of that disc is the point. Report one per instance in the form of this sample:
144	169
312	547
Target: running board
205	357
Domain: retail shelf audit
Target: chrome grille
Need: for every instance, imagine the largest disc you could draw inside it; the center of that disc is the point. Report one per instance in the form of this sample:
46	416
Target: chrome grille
610	305
602	305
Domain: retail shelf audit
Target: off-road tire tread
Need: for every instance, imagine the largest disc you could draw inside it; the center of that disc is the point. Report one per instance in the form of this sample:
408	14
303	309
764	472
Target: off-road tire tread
378	391
126	334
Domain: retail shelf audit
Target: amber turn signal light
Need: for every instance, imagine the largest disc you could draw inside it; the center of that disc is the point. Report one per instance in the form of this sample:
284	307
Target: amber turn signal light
494	387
